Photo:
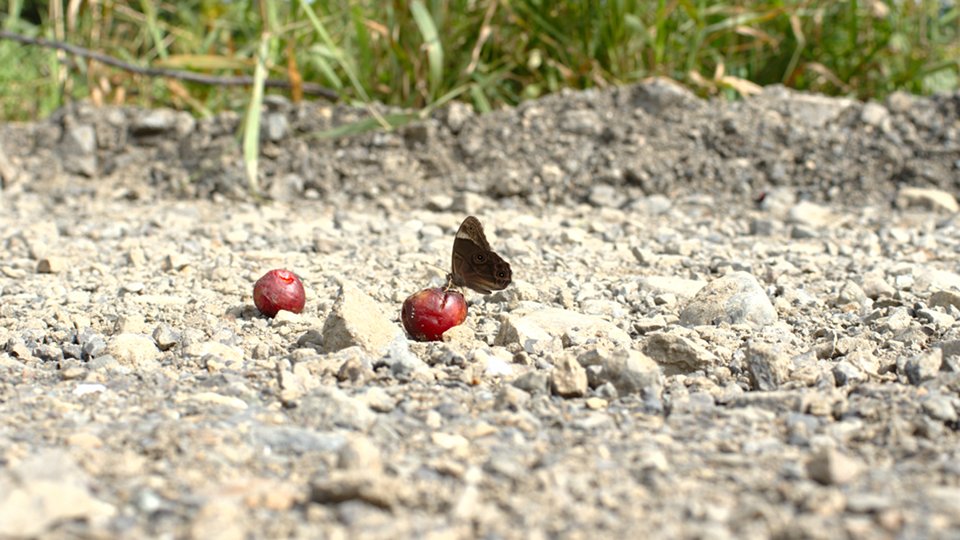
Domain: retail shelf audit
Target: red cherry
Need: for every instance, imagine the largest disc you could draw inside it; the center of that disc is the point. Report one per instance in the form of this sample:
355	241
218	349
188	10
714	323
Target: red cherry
276	290
426	315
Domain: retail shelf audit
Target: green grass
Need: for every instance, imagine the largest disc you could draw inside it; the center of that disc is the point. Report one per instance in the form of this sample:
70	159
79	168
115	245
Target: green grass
490	53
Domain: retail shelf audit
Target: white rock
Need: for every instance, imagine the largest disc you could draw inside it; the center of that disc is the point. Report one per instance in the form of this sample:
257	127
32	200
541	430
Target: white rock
52	265
359	453
931	279
83	389
213	398
357	320
568	378
876	286
493	365
46	489
546	329
830	467
811	215
874	114
137	351
735	298
225	355
927	198
682	288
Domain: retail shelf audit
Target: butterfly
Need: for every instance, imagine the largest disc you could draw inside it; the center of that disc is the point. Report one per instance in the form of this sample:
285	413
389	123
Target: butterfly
474	264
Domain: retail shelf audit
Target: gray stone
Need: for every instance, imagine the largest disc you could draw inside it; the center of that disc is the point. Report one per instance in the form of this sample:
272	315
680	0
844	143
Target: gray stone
938	319
72	350
945	299
645	325
8	172
767	365
627	370
378	399
898	320
875	286
921	367
404	365
933	279
678	353
355	366
456	115
372	488
311	338
47	353
762	227
735	298
287	187
663	94
511	397
652	205
359	453
106	363
813	111
941	407
296	382
533	382
328	407
214	355
581	122
78	150
696	403
165	337
845	373
605	195
803	232
296	440
275	126
158	122
851	293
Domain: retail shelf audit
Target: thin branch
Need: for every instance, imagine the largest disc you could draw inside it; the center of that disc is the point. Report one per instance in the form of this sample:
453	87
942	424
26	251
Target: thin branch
192	76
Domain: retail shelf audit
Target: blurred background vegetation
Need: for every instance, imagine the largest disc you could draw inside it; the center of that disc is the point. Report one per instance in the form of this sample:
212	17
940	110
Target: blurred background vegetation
490	53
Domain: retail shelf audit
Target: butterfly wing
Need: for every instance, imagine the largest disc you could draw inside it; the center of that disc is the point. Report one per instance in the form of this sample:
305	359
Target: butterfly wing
471	229
474	264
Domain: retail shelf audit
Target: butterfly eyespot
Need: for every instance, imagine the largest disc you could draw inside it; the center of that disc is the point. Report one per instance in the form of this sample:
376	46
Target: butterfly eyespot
479	257
501	274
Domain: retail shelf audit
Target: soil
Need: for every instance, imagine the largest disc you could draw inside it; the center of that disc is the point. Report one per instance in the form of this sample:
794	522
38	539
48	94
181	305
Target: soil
727	320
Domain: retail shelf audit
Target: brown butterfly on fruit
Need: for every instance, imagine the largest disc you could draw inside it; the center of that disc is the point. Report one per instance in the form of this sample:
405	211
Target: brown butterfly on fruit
474	264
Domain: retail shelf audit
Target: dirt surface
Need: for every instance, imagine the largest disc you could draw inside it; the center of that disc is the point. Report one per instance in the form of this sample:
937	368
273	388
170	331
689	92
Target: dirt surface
727	320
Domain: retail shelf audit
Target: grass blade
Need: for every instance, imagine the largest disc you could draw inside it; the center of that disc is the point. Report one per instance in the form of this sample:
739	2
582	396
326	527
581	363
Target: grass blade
251	124
431	41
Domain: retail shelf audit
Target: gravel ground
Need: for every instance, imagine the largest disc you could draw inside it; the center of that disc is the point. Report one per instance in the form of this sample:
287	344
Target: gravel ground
726	321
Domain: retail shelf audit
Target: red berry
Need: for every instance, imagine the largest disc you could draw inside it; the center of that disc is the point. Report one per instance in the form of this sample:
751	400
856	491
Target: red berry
276	290
426	315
